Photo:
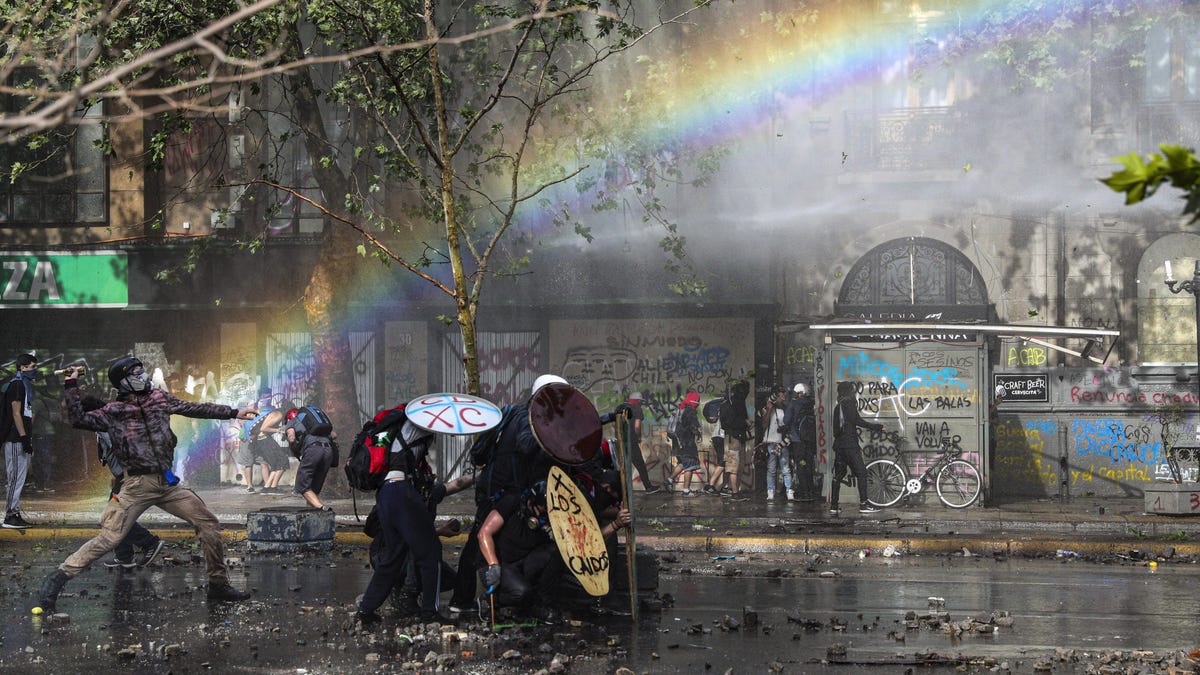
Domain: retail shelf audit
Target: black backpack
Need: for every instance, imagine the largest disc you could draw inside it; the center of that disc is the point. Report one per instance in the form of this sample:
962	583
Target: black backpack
484	447
312	420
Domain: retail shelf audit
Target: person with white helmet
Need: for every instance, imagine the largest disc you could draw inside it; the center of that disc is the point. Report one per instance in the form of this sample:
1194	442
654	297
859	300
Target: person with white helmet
517	462
801	424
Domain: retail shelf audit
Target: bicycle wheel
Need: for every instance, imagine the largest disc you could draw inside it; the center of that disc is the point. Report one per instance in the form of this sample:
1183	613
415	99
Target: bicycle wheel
958	484
885	482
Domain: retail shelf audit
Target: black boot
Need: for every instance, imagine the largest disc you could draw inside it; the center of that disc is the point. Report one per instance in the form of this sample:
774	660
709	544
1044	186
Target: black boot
221	591
51	587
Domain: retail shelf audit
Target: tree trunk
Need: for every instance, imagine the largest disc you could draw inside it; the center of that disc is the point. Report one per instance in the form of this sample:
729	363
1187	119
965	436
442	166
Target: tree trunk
464	315
325	296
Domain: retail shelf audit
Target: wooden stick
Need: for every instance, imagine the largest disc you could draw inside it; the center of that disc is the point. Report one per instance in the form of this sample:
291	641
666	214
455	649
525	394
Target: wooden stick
626	462
492	602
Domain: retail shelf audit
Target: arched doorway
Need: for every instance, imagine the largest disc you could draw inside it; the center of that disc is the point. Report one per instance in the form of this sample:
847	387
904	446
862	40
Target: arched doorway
925	388
911	279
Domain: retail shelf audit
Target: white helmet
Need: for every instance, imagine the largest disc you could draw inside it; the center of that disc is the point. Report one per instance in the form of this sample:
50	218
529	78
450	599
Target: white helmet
546	379
801	389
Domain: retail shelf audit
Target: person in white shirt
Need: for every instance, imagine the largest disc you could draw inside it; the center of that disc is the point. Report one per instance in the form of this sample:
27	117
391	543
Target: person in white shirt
773	436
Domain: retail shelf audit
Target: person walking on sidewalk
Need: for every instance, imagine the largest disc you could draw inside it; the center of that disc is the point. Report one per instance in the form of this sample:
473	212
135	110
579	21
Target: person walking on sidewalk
773	436
687	434
736	425
846	422
16	431
139	423
634	443
802	429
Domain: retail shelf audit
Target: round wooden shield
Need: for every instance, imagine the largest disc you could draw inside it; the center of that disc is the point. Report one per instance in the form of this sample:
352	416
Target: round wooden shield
453	414
565	423
576	532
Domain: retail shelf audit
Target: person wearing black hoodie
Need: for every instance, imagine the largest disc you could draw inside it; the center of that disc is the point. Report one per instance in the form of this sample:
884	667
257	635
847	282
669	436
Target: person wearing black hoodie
846	449
736	425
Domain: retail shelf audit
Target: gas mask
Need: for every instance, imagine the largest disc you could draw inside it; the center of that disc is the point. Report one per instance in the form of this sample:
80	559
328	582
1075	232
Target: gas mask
136	382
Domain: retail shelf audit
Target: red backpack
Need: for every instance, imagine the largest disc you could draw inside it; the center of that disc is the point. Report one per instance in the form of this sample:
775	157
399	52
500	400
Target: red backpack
367	462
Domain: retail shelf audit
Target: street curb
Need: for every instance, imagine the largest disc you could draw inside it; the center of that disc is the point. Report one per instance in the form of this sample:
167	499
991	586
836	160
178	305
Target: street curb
976	545
932	545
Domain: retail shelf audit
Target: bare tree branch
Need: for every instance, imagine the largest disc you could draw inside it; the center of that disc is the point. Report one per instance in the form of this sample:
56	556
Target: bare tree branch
51	106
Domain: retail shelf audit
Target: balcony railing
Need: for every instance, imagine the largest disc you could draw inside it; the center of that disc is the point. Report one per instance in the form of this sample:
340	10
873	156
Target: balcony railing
905	139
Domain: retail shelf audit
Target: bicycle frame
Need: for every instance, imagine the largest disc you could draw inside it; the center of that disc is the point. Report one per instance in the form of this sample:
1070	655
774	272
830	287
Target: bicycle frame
956	480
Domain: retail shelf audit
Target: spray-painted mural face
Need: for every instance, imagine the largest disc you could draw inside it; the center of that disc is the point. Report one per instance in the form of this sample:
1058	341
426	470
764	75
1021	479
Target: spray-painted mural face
662	360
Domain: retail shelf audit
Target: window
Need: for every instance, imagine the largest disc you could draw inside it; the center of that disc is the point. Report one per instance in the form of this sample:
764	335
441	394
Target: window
916	73
1173	61
62	176
1167	321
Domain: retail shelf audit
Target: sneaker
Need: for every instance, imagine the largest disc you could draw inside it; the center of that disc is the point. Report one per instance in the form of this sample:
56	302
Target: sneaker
867	508
118	563
250	489
545	613
14	521
149	554
367	619
710	490
653	489
686	492
770	495
434	617
223	592
405	603
791	495
726	490
835	512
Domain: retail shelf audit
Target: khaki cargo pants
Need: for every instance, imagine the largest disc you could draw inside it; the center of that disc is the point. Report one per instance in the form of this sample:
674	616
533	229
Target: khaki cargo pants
139	493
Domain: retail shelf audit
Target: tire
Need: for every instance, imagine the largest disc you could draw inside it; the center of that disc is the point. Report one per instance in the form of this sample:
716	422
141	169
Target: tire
958	484
885	482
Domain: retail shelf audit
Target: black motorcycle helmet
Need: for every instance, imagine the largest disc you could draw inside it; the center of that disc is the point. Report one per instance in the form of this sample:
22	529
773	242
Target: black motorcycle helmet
129	376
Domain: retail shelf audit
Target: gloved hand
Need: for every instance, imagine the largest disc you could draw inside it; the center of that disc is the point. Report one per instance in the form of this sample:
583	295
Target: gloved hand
27	444
437	493
491	577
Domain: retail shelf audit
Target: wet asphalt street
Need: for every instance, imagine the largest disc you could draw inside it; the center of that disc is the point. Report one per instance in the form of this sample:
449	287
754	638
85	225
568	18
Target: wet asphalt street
809	608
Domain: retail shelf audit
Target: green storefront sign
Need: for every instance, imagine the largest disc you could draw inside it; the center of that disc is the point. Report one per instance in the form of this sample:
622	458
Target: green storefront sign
51	280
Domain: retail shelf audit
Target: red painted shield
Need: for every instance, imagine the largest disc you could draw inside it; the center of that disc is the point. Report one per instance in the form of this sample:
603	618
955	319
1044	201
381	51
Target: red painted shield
565	423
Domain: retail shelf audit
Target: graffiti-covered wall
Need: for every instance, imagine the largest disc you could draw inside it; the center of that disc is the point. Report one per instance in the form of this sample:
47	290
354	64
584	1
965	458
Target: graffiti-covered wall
661	358
920	392
1102	431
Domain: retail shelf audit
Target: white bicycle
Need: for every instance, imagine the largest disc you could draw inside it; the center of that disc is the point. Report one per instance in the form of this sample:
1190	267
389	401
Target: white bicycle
957	481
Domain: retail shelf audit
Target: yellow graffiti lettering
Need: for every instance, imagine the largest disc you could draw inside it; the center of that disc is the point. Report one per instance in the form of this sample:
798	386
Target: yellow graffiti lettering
801	354
1026	356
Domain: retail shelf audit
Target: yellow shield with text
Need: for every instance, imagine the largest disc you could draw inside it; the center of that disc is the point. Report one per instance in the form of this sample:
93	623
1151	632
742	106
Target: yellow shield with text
576	532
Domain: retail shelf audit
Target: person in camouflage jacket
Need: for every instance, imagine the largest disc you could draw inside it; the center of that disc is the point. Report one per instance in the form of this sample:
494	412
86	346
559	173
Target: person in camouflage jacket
138	423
